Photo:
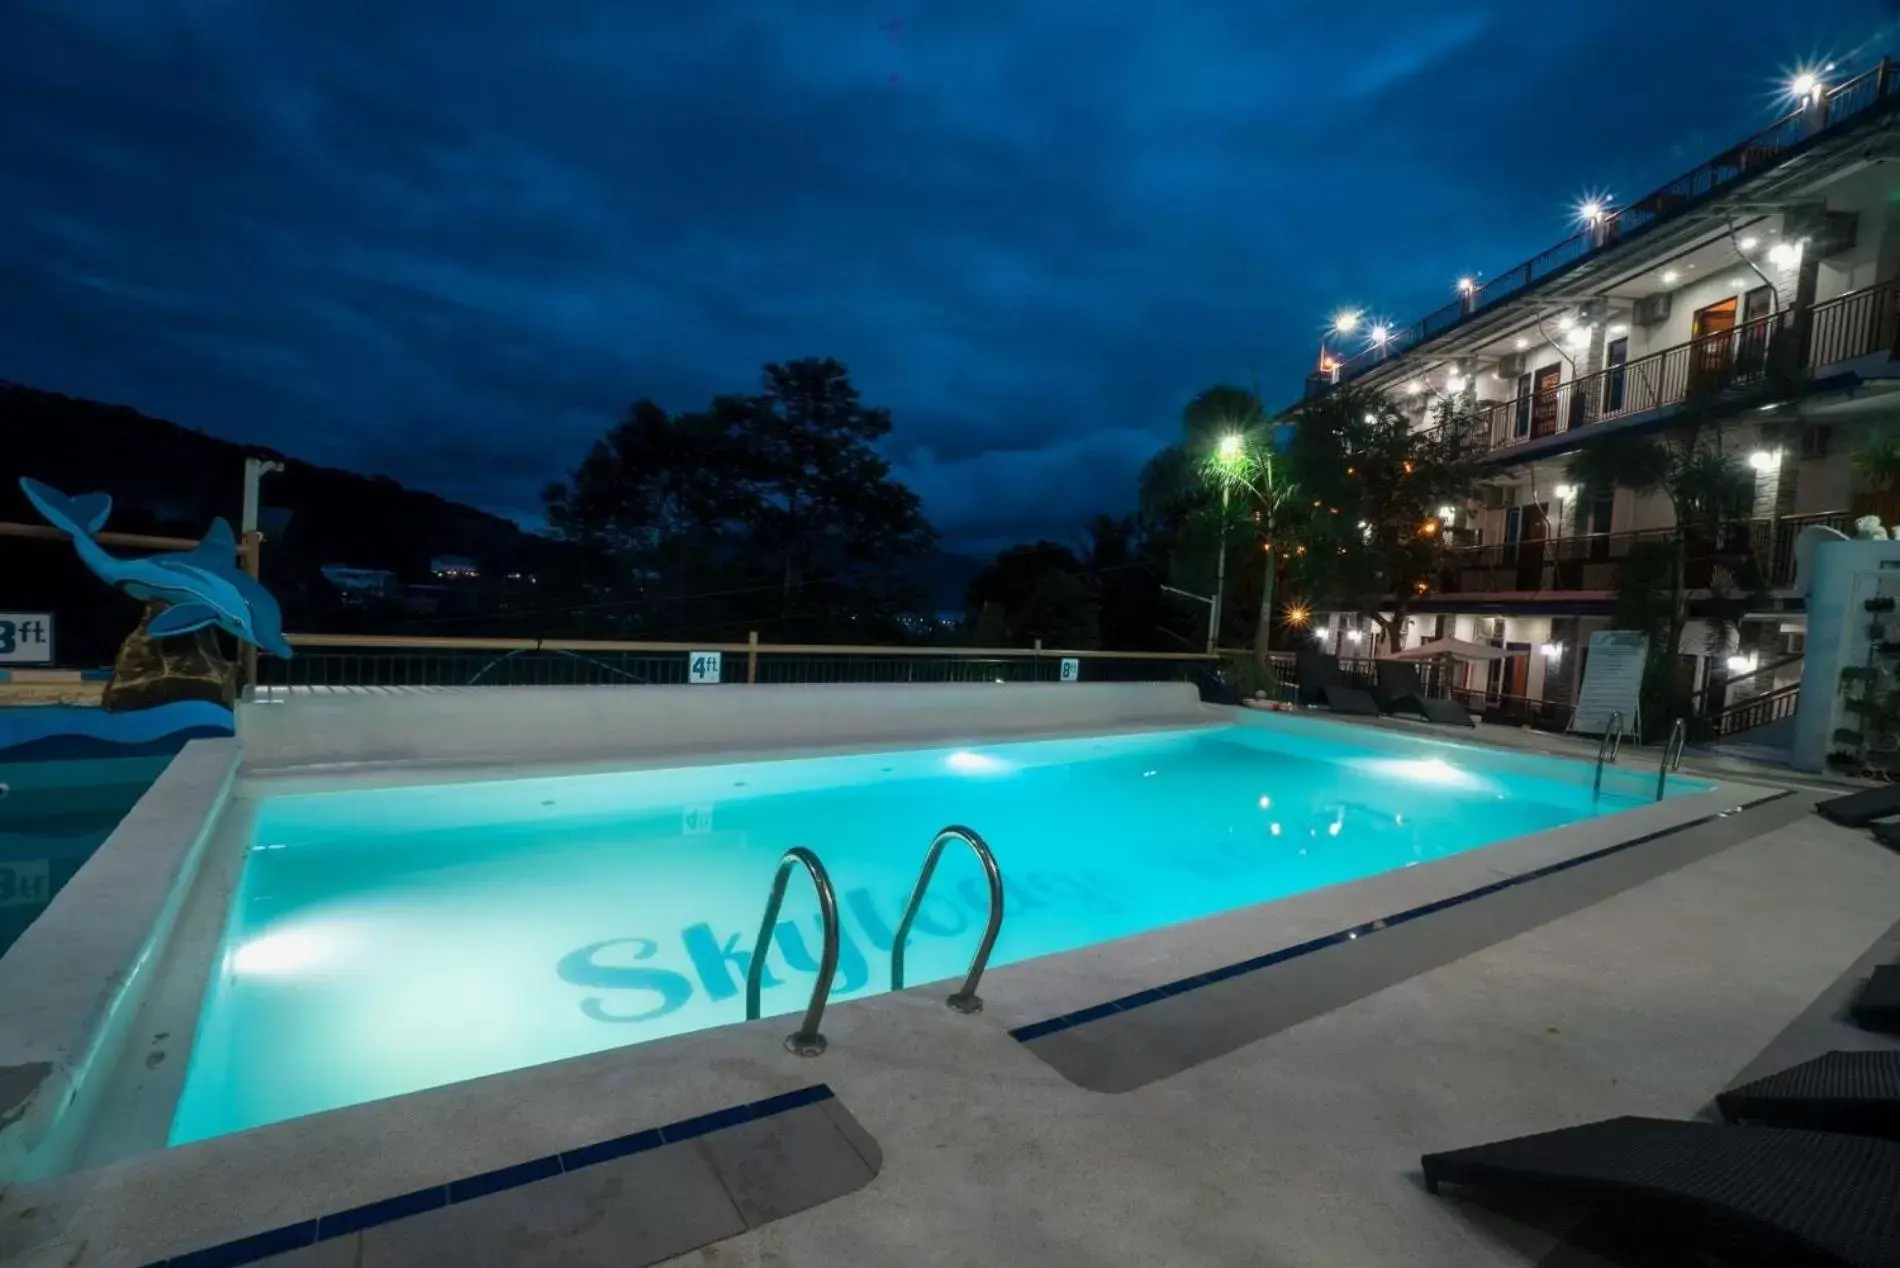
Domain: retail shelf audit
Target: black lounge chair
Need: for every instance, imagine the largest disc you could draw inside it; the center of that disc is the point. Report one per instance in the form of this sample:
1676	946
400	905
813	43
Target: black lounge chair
1399	683
1857	1092
1766	1195
1322	682
1877	1007
1857	810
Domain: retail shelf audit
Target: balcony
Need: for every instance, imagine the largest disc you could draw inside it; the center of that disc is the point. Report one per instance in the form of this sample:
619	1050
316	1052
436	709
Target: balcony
1766	149
1732	364
1594	562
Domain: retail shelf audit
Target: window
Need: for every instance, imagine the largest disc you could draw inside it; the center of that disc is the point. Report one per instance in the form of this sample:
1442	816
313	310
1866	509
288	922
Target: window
1815	439
1617	356
1521	424
1513	524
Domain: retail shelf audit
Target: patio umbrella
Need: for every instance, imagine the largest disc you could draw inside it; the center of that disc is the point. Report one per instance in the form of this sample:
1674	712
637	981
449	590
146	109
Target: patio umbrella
1453	649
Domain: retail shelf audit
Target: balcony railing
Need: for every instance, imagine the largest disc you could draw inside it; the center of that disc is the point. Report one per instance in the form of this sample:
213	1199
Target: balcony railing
1765	149
1595	561
1733	361
1770	706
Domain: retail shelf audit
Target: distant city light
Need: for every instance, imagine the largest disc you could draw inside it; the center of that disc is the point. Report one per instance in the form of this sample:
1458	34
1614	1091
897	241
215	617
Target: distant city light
1345	321
1298	614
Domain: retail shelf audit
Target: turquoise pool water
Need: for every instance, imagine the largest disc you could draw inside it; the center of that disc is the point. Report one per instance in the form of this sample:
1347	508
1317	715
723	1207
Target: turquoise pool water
53	815
387	940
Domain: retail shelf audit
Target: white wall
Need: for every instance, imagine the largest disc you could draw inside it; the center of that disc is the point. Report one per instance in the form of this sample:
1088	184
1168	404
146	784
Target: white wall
1826	484
1875	256
569	724
1635	514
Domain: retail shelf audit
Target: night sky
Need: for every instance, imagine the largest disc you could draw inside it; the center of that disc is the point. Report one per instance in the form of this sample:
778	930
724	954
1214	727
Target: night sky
449	240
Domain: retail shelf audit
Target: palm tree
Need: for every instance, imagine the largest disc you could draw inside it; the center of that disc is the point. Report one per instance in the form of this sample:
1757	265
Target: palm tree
1706	483
1218	485
1878	460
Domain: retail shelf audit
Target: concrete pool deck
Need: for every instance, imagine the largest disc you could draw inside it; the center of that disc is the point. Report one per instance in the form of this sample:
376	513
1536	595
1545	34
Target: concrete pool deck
1645	994
1300	1149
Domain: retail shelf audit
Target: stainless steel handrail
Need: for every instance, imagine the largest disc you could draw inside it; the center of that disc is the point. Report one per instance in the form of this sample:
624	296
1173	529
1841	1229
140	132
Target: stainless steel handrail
805	1041
1613	741
1678	740
965	1000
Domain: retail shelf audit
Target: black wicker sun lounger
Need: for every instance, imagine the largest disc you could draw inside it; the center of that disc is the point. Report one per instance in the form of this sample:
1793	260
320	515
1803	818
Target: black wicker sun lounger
1765	1195
1877	1007
1403	691
1856	1092
1321	682
1857	810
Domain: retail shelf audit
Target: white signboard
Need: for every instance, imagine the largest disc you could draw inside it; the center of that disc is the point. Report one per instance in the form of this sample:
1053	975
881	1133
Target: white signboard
702	667
1071	669
1612	681
26	638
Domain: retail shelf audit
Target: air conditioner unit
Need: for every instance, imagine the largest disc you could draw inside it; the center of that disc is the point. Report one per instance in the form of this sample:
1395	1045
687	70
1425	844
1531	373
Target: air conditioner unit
1510	367
1791	643
1652	310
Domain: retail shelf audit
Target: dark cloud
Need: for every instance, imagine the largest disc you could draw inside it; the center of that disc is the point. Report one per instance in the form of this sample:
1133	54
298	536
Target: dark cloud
449	241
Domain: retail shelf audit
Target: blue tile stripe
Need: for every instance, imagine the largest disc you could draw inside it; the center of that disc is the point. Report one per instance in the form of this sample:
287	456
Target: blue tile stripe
1068	1021
248	1250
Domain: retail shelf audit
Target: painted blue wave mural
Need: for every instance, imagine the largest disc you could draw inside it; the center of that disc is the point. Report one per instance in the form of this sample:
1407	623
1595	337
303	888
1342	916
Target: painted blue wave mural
58	732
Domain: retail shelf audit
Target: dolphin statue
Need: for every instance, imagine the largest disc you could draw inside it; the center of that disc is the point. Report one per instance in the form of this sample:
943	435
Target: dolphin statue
202	586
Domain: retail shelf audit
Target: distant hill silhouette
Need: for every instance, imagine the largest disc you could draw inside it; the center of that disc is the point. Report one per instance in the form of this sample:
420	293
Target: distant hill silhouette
172	480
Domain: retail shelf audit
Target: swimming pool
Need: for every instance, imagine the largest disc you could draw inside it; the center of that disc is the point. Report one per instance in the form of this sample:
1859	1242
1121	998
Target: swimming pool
53	816
391	939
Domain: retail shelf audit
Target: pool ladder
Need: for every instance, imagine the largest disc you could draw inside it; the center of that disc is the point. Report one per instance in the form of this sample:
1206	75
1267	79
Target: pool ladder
1677	741
1612	743
806	1041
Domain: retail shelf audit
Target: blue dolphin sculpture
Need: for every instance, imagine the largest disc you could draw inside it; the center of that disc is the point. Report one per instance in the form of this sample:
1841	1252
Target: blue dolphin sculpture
203	586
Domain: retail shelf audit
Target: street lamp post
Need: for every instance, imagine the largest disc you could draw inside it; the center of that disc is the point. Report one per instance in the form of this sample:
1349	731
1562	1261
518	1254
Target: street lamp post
255	469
